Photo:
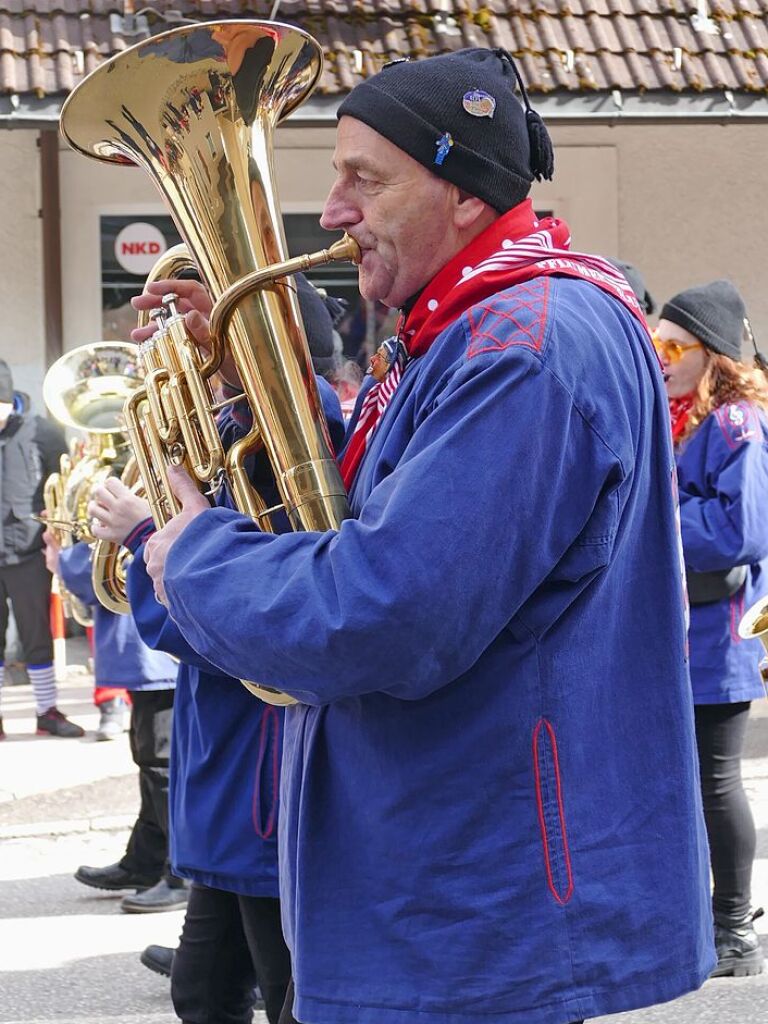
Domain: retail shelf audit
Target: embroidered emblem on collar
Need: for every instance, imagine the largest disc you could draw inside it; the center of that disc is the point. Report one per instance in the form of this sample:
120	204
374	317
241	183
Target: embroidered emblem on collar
443	144
736	415
479	103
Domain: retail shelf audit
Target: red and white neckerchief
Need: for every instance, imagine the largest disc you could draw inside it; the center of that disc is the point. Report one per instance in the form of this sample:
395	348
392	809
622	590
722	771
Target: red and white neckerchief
679	411
515	248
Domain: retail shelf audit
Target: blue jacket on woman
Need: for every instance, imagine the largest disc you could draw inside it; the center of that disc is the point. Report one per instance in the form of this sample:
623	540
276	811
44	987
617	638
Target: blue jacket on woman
226	745
490	797
723	478
120	657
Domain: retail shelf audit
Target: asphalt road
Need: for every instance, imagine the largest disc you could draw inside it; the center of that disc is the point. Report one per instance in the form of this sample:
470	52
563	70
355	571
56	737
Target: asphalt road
68	954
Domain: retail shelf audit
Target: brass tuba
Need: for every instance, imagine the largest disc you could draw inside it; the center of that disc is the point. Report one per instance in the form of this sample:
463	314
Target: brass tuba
754	626
86	390
197	108
57	522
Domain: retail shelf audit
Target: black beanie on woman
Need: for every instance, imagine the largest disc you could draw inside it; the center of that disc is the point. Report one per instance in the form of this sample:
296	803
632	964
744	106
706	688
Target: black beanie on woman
458	116
714	313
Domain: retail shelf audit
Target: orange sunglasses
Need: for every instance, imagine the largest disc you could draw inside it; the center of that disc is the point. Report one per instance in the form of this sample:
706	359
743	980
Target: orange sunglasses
672	351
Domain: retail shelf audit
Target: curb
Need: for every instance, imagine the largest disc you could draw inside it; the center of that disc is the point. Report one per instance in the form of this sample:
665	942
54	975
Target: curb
39	829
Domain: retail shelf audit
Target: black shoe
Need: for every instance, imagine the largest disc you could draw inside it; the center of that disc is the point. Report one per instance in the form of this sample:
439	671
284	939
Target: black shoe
158	959
111	716
113	877
53	723
739	953
157	899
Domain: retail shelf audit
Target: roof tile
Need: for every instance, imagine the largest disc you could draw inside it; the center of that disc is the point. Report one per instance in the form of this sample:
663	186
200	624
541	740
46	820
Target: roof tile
566	45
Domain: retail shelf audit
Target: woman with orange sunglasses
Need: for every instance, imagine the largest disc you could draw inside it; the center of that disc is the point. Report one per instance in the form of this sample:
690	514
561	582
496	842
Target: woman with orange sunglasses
718	406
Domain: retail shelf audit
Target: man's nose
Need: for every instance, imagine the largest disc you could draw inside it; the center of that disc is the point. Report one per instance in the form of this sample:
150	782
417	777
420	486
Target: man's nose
338	212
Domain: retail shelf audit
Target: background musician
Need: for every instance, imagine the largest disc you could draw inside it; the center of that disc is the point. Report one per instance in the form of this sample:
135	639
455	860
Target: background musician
226	752
719	405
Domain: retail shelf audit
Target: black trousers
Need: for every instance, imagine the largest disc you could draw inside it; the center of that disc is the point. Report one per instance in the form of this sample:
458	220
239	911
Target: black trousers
228	943
286	1017
150	739
720	731
28	587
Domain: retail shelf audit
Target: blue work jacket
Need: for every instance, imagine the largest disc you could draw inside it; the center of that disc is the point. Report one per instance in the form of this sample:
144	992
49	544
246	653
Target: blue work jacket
490	801
723	477
120	657
226	744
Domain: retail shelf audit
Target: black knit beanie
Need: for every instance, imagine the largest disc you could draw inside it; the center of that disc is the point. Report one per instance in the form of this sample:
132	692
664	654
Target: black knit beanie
637	284
458	115
6	382
319	313
714	313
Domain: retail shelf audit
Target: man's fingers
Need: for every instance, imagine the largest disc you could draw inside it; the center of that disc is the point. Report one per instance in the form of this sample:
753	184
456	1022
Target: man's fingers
101	495
115	486
99	529
197	325
139	334
157	289
184	487
191	291
96	511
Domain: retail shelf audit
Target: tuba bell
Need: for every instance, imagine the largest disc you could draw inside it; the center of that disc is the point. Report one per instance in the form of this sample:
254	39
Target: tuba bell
86	390
197	108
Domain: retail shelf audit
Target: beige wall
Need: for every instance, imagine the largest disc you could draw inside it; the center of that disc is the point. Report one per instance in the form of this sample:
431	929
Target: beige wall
22	338
693	205
88	190
684	203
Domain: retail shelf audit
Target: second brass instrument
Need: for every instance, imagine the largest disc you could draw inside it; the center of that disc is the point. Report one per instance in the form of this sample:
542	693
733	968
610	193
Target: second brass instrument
197	108
85	389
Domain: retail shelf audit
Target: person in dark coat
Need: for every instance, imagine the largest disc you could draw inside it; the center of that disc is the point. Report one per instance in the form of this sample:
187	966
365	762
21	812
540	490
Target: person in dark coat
30	450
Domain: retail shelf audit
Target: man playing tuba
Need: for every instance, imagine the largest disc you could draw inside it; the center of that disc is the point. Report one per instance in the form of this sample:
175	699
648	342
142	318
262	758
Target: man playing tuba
473	819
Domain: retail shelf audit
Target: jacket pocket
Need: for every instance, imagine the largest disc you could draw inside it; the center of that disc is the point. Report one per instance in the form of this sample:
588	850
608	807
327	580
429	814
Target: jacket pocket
267	776
549	802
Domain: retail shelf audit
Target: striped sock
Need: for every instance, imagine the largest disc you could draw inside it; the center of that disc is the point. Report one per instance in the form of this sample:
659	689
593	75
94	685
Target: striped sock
43	681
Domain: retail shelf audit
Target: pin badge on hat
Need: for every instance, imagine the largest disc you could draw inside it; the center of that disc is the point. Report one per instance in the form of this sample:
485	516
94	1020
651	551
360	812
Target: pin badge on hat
479	103
443	144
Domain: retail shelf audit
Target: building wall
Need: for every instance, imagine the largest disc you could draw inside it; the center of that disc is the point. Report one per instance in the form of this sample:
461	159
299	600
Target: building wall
692	205
684	203
22	338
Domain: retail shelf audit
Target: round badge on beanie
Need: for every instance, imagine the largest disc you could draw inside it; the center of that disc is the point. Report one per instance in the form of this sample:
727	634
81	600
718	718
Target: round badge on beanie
714	313
458	115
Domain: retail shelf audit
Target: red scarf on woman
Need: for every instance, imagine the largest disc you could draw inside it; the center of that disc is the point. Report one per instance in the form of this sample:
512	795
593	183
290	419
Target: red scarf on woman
515	248
679	411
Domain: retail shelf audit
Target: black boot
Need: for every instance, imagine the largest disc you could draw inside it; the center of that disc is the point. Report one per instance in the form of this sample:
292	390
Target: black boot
162	896
739	953
158	959
114	877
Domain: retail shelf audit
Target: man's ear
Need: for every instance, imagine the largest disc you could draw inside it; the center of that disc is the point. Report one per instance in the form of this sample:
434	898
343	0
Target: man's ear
470	212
